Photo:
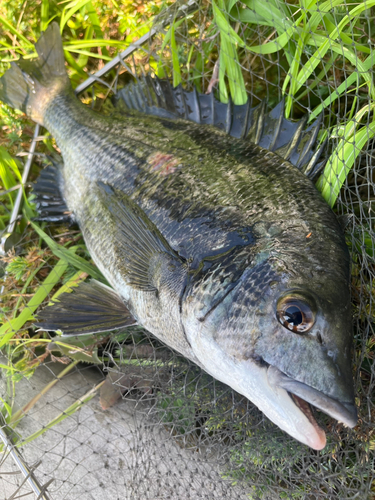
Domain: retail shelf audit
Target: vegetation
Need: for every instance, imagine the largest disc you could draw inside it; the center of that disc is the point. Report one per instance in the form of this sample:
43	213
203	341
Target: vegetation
316	54
46	265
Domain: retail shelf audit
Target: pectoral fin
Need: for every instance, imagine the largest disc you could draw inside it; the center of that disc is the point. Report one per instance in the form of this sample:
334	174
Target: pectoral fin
91	308
149	261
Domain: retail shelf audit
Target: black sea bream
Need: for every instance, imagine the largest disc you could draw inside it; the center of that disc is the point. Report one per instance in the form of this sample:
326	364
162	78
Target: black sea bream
220	247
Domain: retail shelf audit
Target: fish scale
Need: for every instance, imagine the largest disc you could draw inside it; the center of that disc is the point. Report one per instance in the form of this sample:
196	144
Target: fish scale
221	248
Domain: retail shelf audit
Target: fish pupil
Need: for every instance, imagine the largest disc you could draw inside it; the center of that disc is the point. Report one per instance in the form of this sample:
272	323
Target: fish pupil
293	316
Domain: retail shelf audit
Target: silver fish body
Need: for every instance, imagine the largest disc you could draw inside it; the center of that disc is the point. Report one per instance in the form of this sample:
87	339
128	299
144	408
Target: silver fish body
220	248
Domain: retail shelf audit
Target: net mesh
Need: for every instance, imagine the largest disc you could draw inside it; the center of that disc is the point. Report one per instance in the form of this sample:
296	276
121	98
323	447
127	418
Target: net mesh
123	416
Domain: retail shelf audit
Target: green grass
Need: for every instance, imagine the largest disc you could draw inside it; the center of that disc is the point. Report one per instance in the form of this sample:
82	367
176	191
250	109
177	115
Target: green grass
306	32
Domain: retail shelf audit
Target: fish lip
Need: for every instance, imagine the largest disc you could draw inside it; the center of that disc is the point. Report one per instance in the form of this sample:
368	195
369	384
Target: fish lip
345	412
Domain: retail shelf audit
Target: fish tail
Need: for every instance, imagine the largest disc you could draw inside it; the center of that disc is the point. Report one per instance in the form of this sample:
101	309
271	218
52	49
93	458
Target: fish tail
30	85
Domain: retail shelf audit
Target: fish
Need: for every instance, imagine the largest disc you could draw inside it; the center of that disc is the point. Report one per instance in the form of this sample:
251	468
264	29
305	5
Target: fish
201	218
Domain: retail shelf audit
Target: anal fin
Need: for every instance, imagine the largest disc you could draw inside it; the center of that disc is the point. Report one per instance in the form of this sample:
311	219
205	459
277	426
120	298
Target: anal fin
48	199
90	308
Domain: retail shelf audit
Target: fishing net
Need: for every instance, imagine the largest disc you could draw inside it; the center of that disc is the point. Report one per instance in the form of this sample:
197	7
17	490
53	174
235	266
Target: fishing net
123	416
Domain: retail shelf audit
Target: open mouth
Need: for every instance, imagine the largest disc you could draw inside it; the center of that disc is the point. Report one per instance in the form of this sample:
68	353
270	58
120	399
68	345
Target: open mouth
318	441
303	396
305	407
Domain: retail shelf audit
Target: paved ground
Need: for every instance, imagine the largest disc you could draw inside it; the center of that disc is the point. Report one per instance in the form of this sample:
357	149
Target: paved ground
96	454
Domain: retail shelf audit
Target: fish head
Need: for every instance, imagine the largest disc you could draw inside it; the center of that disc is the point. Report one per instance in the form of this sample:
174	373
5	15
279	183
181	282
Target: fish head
280	338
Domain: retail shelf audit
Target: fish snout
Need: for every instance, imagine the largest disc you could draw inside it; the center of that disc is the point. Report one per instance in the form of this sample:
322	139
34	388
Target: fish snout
344	412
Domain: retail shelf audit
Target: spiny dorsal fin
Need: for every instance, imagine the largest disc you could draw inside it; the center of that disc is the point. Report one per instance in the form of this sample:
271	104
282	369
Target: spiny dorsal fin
90	308
149	261
291	140
314	168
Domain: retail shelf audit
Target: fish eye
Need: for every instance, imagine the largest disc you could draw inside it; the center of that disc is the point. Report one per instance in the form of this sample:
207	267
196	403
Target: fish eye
295	314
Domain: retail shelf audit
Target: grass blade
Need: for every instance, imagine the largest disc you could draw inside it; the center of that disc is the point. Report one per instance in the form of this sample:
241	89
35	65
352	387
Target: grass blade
95	23
268	48
8	169
229	60
70	10
44	15
175	61
68	255
68	412
8	329
341	162
16	417
15	32
319	54
271	13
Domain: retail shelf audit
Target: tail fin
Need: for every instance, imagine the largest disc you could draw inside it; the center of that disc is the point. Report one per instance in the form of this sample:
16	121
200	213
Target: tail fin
30	85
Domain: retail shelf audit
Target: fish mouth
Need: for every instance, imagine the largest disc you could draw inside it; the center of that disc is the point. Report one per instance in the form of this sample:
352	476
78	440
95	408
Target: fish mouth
304	395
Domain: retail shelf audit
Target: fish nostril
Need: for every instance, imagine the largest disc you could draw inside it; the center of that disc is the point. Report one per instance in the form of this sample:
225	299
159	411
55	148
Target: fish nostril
319	338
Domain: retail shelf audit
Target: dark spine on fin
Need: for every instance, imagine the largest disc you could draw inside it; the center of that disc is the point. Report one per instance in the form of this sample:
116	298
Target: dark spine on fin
91	308
48	197
291	140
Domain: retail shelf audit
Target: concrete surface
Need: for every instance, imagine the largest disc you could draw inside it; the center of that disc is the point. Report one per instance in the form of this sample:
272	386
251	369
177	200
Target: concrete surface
96	454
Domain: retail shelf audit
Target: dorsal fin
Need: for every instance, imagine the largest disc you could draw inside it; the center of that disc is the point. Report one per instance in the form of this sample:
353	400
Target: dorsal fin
271	130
